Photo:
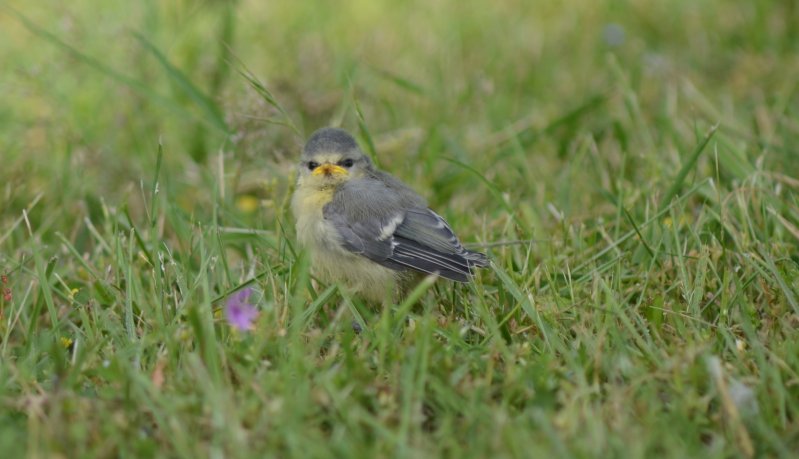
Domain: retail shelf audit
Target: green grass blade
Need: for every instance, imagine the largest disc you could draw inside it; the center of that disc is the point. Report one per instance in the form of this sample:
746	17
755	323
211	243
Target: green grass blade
210	109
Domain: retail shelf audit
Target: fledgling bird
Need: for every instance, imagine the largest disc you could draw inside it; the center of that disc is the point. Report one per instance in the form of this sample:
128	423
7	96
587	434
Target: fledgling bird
366	230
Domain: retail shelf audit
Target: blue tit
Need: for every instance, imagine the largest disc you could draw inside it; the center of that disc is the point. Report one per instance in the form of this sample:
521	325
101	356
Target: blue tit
366	230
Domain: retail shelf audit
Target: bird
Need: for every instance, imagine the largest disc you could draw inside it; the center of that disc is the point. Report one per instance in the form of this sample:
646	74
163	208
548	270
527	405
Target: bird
364	229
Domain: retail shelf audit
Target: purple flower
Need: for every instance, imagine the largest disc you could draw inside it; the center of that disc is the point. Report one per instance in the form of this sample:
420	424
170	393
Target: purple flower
239	312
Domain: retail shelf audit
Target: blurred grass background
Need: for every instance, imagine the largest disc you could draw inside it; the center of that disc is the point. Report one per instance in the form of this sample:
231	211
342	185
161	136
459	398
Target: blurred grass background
630	165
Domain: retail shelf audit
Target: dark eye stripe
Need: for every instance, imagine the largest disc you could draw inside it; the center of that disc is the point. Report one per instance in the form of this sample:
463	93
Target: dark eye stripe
346	163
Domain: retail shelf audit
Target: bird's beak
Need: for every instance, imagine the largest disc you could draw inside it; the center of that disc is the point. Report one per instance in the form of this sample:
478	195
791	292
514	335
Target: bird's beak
329	169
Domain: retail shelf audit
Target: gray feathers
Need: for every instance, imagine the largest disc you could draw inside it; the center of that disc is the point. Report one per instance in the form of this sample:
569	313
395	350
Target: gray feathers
329	140
380	218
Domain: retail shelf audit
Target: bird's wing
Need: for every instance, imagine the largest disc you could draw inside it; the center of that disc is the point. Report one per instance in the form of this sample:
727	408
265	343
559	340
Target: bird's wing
389	231
365	214
362	237
424	241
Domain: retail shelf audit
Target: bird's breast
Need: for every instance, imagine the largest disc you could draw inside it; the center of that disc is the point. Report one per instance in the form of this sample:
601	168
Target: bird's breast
312	228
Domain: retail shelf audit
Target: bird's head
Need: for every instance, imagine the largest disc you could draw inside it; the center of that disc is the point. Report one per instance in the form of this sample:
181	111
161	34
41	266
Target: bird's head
331	157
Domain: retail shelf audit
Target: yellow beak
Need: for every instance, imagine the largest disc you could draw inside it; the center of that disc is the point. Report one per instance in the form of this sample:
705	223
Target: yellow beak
329	169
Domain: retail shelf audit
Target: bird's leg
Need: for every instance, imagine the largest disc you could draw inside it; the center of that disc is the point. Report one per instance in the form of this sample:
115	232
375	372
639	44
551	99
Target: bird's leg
358	322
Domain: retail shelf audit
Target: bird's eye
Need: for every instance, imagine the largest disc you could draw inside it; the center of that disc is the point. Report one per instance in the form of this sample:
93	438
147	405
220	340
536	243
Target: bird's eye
347	163
312	165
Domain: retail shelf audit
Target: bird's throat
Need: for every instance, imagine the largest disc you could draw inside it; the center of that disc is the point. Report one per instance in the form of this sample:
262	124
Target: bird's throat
308	200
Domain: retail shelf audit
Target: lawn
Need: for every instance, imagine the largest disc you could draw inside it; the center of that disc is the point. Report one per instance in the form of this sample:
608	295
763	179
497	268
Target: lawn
631	168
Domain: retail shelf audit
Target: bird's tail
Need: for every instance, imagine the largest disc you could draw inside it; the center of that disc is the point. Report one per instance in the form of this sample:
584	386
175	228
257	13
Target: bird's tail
476	259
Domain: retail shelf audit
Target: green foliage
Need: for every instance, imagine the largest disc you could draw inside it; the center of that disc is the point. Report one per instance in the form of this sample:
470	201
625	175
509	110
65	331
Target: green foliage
629	166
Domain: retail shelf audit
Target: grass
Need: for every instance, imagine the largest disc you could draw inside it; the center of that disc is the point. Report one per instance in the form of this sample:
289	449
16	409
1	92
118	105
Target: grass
630	167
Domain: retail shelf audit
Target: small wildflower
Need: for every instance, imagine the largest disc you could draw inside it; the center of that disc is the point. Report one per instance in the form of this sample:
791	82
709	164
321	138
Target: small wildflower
247	203
66	342
239	312
613	34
